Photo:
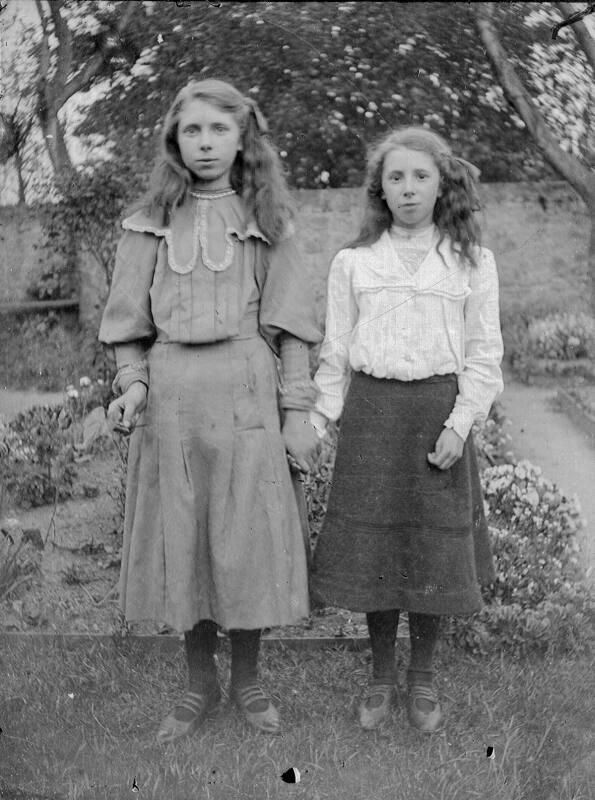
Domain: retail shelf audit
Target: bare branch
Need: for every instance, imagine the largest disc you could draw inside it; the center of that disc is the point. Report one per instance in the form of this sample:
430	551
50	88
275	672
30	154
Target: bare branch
44	57
567	165
581	32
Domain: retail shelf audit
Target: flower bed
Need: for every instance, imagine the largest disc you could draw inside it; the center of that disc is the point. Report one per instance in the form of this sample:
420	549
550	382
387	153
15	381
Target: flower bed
558	344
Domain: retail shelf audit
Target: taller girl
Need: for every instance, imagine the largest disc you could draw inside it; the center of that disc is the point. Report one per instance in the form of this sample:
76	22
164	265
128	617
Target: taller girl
413	320
207	287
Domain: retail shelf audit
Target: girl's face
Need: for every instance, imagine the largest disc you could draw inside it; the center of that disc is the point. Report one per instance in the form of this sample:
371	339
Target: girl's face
209	140
410	186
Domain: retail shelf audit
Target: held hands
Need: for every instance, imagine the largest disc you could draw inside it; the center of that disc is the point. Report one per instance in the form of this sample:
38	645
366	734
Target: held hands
447	450
124	410
301	441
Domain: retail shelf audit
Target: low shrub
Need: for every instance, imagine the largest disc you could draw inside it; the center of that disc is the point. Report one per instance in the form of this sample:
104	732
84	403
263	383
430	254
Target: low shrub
561	343
37	457
493	443
39	448
538	600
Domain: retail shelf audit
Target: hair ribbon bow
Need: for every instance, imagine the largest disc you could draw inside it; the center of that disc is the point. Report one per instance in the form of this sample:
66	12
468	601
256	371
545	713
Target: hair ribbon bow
261	122
474	171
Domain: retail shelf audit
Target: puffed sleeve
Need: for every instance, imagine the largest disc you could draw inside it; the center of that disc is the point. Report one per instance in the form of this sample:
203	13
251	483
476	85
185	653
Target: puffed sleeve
127	315
287	300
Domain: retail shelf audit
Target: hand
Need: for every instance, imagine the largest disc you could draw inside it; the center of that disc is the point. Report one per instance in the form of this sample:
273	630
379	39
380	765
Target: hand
124	410
447	450
301	440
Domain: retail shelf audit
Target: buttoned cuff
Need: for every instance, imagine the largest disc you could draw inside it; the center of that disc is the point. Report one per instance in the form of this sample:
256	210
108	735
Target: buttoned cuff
129	374
461	422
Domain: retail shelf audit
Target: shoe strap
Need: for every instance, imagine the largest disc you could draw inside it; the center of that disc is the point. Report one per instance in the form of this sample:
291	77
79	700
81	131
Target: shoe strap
249	694
193	701
420	691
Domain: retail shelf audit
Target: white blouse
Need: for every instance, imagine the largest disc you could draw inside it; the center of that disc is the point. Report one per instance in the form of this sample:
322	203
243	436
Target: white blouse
390	320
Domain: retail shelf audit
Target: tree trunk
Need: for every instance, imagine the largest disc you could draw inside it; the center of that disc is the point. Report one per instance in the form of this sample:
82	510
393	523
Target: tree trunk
579	176
54	138
18	162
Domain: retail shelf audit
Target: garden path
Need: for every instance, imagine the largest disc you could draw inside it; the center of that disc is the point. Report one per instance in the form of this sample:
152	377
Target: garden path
544	435
540	433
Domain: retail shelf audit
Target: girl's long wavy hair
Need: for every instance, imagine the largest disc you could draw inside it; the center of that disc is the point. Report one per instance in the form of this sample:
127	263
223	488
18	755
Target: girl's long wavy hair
453	212
257	173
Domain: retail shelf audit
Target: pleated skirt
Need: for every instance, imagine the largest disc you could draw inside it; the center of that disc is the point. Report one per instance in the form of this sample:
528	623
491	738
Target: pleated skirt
212	529
399	532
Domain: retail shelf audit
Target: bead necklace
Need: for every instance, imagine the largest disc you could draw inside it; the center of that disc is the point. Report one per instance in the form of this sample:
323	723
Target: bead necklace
212	195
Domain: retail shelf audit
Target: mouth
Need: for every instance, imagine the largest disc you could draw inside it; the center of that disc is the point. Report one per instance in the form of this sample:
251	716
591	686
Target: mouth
205	161
409	205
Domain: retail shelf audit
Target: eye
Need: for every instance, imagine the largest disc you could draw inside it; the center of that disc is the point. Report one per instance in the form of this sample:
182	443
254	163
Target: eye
221	128
190	130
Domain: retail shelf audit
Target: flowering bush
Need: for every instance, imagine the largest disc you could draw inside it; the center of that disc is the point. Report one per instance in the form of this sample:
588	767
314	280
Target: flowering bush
492	441
557	343
562	336
537	600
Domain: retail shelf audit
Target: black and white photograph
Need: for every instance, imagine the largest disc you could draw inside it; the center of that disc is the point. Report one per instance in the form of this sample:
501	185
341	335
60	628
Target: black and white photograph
297	400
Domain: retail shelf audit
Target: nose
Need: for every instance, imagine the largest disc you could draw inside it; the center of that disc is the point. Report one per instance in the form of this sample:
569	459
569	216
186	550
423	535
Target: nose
205	141
408	188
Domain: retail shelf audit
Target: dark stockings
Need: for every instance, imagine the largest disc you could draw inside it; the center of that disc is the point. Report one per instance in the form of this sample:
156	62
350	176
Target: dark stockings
245	646
382	627
423	633
201	646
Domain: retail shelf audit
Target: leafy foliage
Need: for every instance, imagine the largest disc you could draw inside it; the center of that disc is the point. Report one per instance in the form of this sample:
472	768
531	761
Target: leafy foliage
538	600
92	201
330	77
40	448
37	467
557	343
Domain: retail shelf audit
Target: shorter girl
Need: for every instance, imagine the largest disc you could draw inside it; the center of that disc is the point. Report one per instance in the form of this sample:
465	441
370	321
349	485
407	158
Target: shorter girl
208	287
413	314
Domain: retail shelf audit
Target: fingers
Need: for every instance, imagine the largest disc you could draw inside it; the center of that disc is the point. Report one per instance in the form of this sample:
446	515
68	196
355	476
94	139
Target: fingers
115	409
304	461
443	459
122	414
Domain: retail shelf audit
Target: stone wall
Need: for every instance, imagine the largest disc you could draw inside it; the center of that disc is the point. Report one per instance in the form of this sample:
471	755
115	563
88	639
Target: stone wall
21	251
538	232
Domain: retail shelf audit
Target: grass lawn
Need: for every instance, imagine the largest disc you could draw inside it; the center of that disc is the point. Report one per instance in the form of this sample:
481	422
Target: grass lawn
81	723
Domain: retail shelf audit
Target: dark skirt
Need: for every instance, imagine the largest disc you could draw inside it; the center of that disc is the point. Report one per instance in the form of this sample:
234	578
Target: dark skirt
399	532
